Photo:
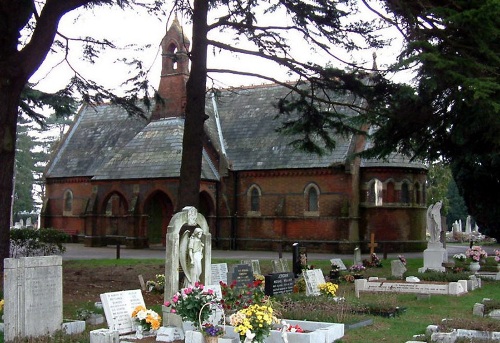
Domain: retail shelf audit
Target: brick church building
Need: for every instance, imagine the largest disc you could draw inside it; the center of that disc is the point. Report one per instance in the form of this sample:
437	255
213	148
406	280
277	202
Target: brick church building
115	176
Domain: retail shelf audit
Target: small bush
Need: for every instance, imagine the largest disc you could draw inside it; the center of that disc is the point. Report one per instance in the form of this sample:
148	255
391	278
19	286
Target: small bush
43	242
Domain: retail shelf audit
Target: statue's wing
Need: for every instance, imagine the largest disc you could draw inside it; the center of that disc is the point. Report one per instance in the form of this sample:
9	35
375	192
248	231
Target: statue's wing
183	254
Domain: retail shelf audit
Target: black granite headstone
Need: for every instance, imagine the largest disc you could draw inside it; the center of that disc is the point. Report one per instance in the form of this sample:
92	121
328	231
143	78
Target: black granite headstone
242	274
279	283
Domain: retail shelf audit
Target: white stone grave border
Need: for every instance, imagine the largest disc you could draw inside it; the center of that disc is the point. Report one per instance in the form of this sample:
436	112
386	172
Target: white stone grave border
444	288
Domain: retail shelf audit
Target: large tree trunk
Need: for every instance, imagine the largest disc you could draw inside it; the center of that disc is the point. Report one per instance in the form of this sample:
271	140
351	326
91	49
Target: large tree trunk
9	100
192	145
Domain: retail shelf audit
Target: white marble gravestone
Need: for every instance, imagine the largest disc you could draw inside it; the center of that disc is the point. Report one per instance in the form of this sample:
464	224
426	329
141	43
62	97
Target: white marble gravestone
33	296
357	256
118	307
188	216
219	273
313	278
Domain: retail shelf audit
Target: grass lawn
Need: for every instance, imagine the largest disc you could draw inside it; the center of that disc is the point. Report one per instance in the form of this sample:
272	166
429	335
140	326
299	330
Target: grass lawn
417	314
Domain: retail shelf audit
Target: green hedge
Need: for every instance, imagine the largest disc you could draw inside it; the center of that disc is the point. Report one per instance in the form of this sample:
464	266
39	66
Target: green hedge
42	242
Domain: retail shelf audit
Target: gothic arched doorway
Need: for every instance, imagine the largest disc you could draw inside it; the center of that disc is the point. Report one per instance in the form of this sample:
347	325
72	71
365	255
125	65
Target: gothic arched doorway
159	209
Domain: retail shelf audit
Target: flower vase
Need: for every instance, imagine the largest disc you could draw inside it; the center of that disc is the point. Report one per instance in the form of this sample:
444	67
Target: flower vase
211	339
474	267
139	332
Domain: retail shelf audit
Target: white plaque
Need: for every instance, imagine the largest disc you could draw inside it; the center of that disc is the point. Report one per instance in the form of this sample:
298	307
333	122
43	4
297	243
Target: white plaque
118	308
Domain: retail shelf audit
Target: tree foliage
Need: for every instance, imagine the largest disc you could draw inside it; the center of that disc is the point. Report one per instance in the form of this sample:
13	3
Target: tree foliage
452	113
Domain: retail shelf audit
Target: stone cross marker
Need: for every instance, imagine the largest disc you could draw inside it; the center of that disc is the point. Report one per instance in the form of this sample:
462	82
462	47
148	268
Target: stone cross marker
372	244
33	296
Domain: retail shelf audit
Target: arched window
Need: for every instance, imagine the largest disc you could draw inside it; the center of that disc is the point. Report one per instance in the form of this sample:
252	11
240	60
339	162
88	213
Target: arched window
389	192
405	193
253	197
311	197
255	200
375	192
68	202
418	194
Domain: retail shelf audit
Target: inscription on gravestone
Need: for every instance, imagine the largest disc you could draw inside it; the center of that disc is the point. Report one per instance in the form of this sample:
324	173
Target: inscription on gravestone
118	307
280	266
255	265
241	274
313	279
219	273
279	283
33	296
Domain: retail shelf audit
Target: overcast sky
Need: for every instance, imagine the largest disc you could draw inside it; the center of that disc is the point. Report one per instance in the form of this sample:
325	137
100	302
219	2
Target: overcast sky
126	27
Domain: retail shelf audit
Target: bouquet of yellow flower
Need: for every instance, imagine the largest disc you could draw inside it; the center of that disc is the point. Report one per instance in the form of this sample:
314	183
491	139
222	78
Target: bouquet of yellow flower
329	289
147	319
255	322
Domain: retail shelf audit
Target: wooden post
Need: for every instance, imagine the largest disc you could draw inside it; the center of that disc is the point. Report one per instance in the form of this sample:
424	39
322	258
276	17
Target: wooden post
372	244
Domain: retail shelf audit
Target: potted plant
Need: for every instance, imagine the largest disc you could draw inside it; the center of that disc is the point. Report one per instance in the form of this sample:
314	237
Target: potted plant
212	332
189	304
357	270
334	272
254	323
475	254
329	289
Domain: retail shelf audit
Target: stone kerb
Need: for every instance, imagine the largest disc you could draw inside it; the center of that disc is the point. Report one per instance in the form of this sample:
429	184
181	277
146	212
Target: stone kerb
186	216
451	288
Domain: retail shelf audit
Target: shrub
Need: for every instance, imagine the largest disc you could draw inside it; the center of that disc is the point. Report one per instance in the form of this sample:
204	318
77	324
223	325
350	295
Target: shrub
43	242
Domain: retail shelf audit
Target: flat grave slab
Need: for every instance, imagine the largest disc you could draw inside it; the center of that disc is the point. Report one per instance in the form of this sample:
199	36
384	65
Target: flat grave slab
446	288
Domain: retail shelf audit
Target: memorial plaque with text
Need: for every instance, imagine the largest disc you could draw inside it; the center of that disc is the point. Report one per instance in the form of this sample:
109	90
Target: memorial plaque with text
219	273
242	274
313	279
279	283
118	307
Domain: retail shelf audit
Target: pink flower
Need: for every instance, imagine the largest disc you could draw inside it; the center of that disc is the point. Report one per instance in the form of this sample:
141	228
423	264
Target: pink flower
173	310
167	303
188	290
210	291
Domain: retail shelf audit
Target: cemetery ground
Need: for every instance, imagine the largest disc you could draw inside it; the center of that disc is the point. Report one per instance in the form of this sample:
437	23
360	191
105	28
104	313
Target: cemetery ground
390	317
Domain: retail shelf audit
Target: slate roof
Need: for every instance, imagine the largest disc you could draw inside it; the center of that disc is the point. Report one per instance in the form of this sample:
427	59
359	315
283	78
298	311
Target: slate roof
249	130
107	144
96	135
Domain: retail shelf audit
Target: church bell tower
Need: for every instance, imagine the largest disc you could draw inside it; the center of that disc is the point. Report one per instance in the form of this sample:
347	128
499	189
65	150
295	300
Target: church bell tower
174	74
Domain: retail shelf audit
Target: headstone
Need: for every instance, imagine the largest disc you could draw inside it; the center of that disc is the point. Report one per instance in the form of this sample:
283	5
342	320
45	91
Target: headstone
21	221
241	274
468	225
435	254
339	263
175	256
280	266
219	273
33	296
279	283
104	336
313	278
397	268
118	307
28	222
357	256
255	264
478	310
169	334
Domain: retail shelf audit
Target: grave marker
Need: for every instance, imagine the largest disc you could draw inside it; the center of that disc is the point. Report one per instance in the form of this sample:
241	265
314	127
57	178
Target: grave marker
339	263
118	307
313	278
241	274
280	266
219	273
255	265
397	268
372	244
279	283
33	296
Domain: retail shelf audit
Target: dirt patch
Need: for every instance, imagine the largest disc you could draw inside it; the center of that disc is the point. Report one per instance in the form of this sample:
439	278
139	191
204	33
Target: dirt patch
84	285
